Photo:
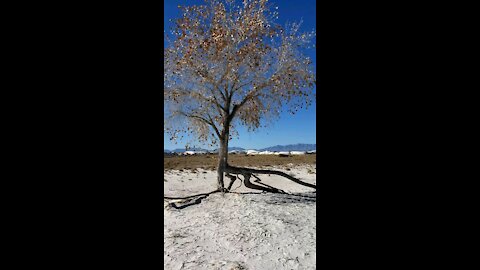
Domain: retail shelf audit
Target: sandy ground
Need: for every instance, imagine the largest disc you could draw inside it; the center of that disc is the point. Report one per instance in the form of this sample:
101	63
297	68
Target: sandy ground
243	230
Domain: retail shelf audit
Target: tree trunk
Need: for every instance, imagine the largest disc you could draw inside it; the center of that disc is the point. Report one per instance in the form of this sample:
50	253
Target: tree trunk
222	162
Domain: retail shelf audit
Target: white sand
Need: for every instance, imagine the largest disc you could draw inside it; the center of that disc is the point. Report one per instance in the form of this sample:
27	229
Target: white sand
241	231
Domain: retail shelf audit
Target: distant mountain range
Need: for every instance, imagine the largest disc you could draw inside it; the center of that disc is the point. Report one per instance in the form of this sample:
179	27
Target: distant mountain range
276	148
291	147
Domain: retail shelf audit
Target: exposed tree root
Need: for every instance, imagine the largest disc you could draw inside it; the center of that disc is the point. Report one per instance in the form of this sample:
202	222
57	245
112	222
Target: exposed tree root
259	181
190	197
177	205
247	172
183	202
232	180
266	188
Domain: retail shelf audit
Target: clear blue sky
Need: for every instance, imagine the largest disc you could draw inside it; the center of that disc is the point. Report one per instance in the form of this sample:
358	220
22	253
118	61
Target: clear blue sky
288	129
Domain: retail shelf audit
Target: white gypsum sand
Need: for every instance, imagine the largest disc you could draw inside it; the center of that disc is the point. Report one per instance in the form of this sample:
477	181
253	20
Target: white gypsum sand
241	231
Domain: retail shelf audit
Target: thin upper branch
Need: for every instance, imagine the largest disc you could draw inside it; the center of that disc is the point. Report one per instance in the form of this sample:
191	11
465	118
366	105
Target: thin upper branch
207	121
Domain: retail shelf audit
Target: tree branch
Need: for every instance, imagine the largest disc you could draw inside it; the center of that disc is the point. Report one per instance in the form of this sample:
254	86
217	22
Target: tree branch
209	122
236	107
249	96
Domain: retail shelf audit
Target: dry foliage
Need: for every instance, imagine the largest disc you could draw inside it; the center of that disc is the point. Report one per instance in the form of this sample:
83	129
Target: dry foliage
228	63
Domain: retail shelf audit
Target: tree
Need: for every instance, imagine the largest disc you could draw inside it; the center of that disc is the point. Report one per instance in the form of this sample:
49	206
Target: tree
229	64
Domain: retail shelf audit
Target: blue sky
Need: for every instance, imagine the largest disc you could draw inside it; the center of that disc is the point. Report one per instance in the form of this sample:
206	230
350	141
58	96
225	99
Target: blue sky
288	129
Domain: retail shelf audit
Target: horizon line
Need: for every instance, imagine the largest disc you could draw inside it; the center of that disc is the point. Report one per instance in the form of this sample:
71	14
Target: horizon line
195	147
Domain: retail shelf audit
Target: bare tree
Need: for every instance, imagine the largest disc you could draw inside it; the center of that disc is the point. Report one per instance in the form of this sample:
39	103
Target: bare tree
229	64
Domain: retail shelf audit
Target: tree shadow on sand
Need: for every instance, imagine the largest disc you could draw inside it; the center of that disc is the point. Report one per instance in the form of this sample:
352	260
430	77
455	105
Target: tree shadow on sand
260	197
272	198
286	198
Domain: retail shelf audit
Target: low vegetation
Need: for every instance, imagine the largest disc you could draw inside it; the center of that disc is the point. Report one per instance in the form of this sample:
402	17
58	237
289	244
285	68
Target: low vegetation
209	162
